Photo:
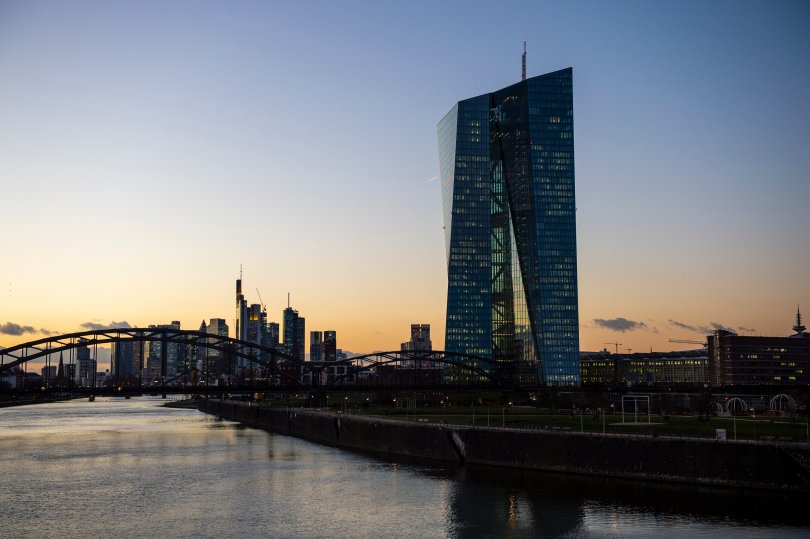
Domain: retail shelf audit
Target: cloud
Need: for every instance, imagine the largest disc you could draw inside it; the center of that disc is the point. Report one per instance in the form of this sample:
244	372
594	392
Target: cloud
48	332
111	325
747	330
619	324
10	328
683	326
718	325
711	328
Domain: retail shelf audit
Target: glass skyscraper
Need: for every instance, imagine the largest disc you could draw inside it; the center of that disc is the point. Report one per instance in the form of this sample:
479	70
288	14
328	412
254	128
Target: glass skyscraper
507	171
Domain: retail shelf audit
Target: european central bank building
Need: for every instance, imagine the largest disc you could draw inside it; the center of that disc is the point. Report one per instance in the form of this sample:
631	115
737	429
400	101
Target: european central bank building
507	173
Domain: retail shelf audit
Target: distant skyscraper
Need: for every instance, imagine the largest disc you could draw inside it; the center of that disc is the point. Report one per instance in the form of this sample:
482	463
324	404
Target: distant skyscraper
420	339
241	310
315	340
157	367
272	334
202	351
126	362
252	325
507	169
294	333
218	327
213	361
86	372
329	346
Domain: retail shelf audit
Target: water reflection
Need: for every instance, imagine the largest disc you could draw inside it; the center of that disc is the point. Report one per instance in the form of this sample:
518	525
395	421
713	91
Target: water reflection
131	467
507	503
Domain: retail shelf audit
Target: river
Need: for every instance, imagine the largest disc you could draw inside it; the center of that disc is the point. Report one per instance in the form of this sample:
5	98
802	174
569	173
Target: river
133	468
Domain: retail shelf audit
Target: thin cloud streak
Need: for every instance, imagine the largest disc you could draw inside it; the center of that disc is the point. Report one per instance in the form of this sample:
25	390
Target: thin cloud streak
683	325
112	325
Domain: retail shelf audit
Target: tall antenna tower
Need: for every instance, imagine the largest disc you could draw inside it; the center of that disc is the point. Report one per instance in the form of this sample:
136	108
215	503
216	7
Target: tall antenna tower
799	327
523	73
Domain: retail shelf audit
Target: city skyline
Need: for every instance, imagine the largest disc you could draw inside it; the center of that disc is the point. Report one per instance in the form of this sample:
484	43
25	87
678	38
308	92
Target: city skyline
146	153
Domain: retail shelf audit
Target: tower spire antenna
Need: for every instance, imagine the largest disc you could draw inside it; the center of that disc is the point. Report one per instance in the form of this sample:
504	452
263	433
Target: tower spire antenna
798	328
523	72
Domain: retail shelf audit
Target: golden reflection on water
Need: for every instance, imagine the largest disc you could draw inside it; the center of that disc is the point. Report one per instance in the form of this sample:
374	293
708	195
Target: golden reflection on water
511	513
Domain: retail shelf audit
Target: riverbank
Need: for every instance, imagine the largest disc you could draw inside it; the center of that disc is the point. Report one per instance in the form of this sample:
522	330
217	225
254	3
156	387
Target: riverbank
784	467
41	400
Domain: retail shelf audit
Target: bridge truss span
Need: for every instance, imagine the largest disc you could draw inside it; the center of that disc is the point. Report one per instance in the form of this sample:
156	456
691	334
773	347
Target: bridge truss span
248	364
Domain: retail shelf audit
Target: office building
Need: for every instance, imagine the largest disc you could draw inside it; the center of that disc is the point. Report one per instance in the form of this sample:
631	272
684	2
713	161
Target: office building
294	333
127	362
86	372
687	368
736	360
241	310
272	334
211	361
420	339
162	360
329	346
507	171
252	325
48	373
315	342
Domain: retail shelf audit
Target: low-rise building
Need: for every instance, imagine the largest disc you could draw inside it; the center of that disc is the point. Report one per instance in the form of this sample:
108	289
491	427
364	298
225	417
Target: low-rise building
686	368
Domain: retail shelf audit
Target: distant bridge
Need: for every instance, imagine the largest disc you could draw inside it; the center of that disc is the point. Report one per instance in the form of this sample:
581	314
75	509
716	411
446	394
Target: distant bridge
246	364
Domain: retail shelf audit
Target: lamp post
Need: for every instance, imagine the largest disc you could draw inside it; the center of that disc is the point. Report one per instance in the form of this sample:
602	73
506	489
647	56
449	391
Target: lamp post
734	417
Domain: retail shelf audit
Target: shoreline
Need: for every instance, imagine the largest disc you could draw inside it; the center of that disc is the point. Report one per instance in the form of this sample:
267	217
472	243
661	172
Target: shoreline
729	464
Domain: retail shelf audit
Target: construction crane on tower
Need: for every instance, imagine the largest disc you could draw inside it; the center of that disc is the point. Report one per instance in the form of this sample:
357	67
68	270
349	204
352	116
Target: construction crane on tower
261	301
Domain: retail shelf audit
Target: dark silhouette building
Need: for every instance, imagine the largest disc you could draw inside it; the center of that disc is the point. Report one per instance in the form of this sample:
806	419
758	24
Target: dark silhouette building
420	339
736	360
315	341
294	333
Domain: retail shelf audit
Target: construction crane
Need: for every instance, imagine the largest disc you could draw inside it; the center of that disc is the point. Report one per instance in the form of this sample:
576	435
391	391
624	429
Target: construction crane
687	341
616	344
264	308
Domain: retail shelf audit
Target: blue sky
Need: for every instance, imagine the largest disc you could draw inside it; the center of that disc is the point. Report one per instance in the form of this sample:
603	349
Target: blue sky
149	148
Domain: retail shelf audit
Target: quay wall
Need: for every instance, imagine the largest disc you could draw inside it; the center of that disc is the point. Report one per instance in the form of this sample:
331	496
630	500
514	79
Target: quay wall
706	462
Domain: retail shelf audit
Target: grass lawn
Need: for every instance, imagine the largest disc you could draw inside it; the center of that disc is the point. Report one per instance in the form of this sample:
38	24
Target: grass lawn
747	428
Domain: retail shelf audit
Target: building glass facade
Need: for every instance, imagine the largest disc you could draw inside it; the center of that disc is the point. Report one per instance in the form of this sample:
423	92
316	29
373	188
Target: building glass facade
507	169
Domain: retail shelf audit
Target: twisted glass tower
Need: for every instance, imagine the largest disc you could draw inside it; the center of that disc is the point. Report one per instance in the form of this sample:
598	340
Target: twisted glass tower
507	171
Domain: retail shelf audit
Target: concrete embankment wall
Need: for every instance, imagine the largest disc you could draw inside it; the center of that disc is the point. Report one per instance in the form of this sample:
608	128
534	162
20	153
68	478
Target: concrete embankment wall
664	459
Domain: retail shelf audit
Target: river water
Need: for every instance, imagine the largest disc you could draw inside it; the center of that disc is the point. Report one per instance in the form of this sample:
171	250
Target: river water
133	468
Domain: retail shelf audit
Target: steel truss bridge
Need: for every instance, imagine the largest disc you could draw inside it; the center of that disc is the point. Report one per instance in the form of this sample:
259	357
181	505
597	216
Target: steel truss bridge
215	361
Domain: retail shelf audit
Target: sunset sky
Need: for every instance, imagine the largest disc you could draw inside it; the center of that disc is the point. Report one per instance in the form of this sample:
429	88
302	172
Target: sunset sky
147	149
